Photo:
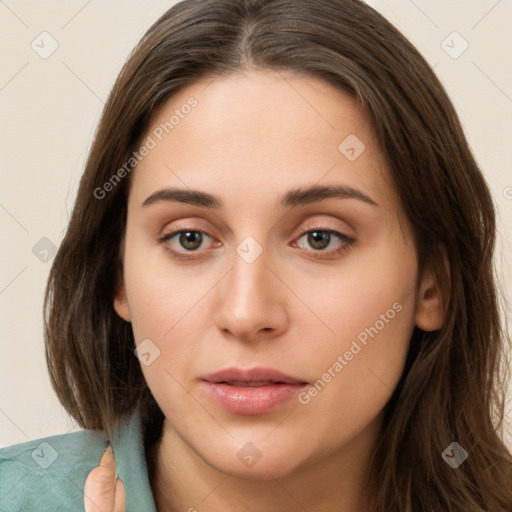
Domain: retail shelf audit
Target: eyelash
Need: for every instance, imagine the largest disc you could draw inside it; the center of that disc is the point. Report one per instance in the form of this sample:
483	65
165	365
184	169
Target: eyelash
347	242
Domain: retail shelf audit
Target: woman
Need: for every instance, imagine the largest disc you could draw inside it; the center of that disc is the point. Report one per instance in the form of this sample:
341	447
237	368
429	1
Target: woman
281	217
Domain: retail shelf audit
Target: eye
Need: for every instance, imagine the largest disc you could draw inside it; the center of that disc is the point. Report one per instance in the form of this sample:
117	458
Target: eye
185	242
188	239
319	239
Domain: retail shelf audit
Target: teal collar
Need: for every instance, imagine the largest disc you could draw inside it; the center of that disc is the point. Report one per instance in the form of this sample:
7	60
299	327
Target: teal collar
128	446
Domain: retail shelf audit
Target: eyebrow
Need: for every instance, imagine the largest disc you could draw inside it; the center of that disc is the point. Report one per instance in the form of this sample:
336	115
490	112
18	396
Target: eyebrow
292	198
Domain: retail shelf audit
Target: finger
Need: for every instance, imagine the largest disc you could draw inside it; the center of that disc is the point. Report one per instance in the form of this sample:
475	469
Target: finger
99	491
120	497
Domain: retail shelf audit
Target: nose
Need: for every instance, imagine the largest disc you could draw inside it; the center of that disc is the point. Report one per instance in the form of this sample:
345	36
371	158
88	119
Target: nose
250	302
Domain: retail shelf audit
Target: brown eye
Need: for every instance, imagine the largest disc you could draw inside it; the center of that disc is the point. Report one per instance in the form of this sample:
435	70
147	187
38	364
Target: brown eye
319	239
190	240
325	241
185	240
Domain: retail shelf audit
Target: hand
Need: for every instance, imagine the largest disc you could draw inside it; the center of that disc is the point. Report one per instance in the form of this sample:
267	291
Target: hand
102	493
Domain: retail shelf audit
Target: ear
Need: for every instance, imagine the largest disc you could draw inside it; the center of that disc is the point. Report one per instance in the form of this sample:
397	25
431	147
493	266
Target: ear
120	299
432	299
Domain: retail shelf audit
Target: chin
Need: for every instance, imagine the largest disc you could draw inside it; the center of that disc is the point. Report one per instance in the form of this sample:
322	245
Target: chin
256	461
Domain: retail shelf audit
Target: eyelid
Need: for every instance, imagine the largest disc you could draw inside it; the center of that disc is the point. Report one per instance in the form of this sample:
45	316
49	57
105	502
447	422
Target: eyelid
345	240
171	234
325	225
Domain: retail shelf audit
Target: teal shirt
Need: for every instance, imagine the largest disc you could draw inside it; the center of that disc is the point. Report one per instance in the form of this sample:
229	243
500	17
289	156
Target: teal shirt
48	474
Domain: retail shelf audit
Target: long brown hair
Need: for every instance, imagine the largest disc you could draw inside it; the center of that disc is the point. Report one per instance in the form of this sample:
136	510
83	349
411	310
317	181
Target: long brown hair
452	388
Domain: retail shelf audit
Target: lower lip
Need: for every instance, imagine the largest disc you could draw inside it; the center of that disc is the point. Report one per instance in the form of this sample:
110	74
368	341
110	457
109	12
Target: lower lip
251	400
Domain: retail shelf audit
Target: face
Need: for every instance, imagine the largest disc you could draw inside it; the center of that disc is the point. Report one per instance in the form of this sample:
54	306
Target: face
265	238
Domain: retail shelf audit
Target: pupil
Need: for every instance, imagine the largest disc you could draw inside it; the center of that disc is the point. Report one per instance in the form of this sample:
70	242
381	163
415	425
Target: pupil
319	239
190	239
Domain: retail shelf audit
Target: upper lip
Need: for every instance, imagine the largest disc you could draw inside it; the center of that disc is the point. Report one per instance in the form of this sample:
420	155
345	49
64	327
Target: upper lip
259	374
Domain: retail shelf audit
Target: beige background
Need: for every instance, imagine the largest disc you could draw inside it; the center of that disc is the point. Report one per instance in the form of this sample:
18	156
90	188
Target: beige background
49	109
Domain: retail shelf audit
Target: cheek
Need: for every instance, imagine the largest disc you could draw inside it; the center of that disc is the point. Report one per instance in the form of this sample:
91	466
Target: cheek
163	296
369	309
169	306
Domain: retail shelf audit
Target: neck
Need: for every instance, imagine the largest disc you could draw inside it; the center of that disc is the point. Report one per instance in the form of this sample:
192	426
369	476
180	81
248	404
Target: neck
183	481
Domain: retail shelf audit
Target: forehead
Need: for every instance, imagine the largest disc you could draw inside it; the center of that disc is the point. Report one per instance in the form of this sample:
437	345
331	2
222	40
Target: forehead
255	134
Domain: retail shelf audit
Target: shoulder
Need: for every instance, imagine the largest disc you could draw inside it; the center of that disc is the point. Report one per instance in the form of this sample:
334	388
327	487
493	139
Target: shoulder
48	474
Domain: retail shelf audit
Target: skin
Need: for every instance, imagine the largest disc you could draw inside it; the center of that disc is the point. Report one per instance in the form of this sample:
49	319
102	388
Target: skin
251	138
102	493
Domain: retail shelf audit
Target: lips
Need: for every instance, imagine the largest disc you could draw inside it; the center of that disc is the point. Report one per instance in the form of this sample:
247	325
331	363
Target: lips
250	384
252	391
254	376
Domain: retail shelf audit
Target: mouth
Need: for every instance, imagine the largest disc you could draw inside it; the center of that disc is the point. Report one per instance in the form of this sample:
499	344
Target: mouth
250	384
252	391
251	377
